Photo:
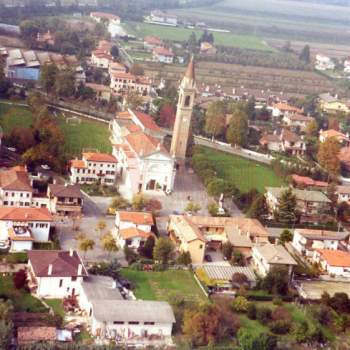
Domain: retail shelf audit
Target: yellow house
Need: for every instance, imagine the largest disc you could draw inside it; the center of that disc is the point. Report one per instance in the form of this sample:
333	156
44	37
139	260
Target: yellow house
331	104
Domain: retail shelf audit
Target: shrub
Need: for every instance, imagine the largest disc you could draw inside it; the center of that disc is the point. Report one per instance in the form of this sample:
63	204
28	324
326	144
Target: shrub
184	258
277	301
281	313
138	266
160	267
20	279
280	326
130	255
240	304
251	311
263	314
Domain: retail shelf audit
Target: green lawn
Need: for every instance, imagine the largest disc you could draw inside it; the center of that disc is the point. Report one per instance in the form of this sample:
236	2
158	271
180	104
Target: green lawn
252	326
22	301
163	285
56	305
89	134
140	30
244	173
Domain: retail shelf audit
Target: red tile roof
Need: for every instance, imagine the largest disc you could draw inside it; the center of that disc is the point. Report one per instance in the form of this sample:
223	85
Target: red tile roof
25	214
153	40
144	145
333	133
308	181
26	335
15	179
162	51
139	218
132	232
147	121
99	157
63	264
335	257
77	163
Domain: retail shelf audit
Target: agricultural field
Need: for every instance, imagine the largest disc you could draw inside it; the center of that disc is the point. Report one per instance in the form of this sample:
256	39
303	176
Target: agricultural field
140	30
164	285
79	134
244	173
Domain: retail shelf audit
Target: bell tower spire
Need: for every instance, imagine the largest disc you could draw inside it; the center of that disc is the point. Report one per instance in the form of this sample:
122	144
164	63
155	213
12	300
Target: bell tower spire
185	104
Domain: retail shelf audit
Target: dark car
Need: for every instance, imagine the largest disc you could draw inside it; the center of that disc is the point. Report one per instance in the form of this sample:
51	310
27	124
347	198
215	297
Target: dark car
208	258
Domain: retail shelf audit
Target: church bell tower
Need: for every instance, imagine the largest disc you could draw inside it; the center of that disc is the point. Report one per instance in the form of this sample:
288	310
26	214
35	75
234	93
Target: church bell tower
183	115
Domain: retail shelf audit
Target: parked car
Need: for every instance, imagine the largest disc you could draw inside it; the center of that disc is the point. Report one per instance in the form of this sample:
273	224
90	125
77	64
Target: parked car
208	258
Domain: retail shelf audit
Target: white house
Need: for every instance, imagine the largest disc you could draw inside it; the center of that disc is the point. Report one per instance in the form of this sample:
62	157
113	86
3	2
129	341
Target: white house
20	227
151	42
297	120
101	59
268	256
326	134
94	167
163	55
126	82
324	63
132	321
306	241
343	193
133	228
105	17
55	273
162	18
335	262
281	109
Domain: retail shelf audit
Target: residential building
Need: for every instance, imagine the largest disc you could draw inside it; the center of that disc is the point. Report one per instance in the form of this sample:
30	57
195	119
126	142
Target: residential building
55	273
306	241
323	63
65	199
94	167
162	18
268	257
163	55
133	228
143	162
132	320
105	17
287	141
15	188
308	183
116	67
151	42
101	58
20	227
102	92
343	193
199	234
309	203
299	121
339	136
281	109
45	39
335	262
127	82
331	104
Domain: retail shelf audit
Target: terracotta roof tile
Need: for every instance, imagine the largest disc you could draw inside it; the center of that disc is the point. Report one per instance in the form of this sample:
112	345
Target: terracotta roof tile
286	107
139	218
147	121
25	214
99	157
72	191
144	145
335	257
15	180
77	163
132	232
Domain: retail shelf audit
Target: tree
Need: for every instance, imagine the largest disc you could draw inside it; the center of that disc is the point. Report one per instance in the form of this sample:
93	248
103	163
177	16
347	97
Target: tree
86	244
312	129
258	209
256	341
6	325
137	69
147	249
101	226
215	119
184	258
227	250
340	302
109	244
22	138
64	83
216	186
213	208
240	304
192	43
20	279
237	258
286	210
138	201
167	116
29	31
237	131
48	73
343	212
327	156
305	54
163	250
276	281
332	196
192	207
153	205
286	236
119	202
115	51
239	279
133	100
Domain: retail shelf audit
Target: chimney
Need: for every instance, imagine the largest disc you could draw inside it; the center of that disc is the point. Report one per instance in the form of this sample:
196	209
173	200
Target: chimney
80	269
49	271
71	251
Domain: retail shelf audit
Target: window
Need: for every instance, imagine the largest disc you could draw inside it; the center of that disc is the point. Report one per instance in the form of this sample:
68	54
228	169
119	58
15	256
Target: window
27	195
26	204
74	279
21	194
60	283
13	194
187	101
6	202
149	323
6	193
133	322
118	322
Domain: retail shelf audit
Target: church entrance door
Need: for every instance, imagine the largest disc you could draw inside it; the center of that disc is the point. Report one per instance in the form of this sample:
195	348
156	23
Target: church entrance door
152	185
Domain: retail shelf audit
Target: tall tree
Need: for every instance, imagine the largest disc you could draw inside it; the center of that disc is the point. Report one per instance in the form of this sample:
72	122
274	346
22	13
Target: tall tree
29	31
327	156
237	131
64	83
192	43
48	73
286	236
305	54
258	209
86	244
286	210
147	249
312	128
215	119
137	69
163	250
109	244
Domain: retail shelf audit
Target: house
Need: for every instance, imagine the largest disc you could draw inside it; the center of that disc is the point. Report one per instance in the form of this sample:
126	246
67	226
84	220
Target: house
94	167
116	67
102	92
207	48
269	256
133	228
65	199
343	193
331	104
323	63
299	121
219	276
281	109
306	241
161	18
309	203
151	42
335	262
143	162
45	39
55	273
339	136
163	55
132	321
308	183
127	82
100	58
287	141
199	234
35	334
105	17
20	227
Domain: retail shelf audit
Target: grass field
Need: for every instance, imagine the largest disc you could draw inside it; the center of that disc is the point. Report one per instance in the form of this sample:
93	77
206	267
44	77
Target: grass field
57	306
141	30
245	174
163	285
22	301
88	134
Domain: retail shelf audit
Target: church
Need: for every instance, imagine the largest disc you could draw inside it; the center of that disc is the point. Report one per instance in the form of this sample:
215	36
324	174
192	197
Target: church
144	164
